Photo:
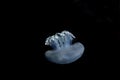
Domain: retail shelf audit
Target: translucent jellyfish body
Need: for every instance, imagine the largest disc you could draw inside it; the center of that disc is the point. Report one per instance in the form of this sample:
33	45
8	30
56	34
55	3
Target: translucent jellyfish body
64	52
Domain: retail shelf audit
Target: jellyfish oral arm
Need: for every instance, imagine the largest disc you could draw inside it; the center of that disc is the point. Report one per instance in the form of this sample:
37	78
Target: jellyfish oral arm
60	40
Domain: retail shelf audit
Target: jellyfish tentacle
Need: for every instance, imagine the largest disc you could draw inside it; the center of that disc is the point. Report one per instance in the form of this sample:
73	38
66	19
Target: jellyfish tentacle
61	40
70	35
57	41
47	42
64	40
68	38
67	41
54	42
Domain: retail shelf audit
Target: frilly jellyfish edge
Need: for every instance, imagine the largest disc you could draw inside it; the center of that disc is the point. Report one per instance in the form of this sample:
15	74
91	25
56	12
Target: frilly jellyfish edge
64	52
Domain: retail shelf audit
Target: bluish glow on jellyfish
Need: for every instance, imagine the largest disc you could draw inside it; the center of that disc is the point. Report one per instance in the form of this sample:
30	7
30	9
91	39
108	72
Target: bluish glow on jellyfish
64	52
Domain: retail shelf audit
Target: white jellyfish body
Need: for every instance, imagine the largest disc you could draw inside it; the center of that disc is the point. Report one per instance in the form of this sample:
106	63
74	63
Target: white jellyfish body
64	52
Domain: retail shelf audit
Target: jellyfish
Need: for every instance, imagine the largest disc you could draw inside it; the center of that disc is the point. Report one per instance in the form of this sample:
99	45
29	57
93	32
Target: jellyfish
64	52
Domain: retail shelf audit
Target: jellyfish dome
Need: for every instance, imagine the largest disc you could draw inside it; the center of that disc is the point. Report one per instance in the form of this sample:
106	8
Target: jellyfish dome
64	52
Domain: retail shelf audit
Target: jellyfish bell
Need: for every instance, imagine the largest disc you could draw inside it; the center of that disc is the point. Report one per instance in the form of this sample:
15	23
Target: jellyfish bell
64	52
65	55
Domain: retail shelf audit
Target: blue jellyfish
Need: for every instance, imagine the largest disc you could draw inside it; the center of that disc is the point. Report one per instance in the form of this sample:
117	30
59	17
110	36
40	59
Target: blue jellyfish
64	52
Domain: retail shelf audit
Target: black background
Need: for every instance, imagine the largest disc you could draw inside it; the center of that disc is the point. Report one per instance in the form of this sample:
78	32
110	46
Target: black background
94	23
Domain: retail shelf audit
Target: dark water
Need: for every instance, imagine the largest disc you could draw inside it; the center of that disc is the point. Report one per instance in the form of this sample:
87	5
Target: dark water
94	23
